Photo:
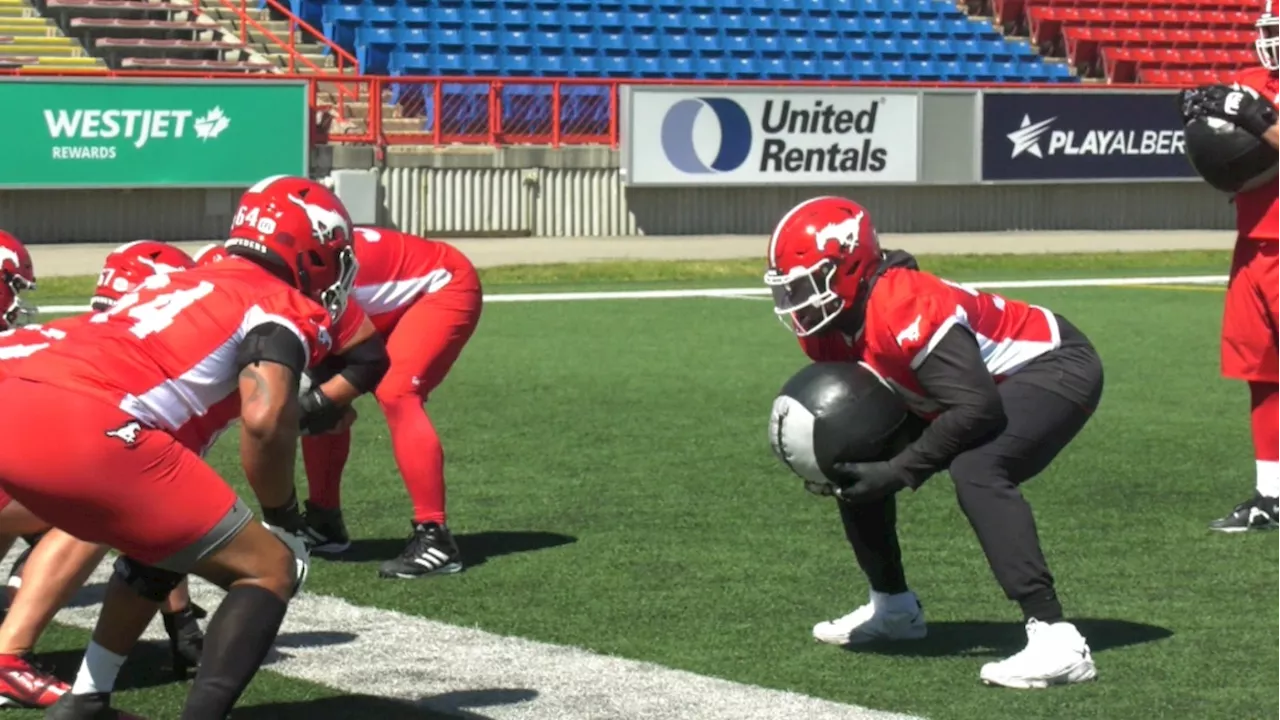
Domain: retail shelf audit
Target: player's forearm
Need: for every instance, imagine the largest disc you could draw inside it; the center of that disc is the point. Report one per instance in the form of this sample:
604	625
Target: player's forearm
1272	136
339	390
268	435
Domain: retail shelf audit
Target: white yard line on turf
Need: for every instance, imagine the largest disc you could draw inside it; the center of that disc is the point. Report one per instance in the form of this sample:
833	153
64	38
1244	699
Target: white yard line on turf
481	676
756	291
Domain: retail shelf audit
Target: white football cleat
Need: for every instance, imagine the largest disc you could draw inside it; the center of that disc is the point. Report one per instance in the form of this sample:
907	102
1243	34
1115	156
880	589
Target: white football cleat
1056	654
886	617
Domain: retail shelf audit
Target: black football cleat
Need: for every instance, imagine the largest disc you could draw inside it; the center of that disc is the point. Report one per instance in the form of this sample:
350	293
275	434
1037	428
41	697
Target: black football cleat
431	551
1257	513
86	707
326	533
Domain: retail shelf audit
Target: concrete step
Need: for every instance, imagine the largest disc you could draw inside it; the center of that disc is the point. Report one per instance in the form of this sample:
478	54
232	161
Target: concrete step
70	63
28	27
19	49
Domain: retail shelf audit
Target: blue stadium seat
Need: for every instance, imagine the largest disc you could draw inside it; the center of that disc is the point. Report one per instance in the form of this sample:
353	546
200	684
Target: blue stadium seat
612	43
510	18
583	66
483	40
411	38
676	46
448	41
480	19
482	64
615	66
515	64
550	65
712	68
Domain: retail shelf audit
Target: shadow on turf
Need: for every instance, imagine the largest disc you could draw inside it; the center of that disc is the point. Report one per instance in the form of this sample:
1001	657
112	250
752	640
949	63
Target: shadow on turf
476	548
461	705
995	639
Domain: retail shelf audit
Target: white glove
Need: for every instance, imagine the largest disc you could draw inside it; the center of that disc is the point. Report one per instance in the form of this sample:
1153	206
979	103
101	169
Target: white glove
297	544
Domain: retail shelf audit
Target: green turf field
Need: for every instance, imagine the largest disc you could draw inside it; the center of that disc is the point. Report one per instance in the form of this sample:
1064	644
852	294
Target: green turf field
611	482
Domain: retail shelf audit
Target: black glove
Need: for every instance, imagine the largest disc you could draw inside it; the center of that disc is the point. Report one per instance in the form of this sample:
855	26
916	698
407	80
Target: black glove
1250	112
866	482
318	413
1197	102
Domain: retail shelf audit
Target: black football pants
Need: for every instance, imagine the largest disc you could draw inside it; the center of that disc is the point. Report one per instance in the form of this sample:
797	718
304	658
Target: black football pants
1041	422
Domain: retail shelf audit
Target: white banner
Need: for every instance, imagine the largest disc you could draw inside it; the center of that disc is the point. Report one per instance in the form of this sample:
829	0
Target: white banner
719	136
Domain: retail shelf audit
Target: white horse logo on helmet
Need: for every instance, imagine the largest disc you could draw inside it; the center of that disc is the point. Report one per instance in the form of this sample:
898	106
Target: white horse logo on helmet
159	267
323	222
844	232
7	255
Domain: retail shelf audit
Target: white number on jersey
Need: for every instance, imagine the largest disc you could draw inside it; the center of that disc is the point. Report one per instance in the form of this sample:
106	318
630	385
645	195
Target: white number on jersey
157	313
21	351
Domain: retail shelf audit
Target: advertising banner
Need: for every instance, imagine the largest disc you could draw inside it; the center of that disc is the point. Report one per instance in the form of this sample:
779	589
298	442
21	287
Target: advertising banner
107	133
1097	135
769	136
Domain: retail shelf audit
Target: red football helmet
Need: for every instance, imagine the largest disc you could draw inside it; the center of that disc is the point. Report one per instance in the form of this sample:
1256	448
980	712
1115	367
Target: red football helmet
820	257
299	229
132	263
209	254
18	275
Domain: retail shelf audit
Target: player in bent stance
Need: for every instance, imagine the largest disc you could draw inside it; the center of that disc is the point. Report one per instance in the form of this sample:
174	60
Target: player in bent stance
1006	387
424	297
133	389
55	563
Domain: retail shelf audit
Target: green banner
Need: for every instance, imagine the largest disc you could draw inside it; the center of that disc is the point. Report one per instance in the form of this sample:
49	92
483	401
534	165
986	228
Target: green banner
111	133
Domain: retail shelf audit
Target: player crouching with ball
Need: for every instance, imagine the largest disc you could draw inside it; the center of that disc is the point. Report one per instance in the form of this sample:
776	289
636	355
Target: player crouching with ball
1002	386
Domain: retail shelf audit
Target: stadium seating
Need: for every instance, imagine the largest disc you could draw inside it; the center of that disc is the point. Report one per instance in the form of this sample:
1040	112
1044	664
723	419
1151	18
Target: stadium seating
26	39
1164	41
928	40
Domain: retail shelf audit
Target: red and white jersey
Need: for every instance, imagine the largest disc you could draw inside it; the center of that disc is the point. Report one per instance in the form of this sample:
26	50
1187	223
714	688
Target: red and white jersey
165	354
397	268
910	311
30	339
1258	210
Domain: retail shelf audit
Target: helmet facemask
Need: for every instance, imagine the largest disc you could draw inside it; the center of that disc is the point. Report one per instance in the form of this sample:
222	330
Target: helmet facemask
804	299
18	313
334	297
1268	43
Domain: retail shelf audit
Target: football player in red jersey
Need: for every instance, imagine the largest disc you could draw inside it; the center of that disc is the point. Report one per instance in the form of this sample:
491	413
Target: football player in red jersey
424	297
1250	318
131	391
1005	386
56	563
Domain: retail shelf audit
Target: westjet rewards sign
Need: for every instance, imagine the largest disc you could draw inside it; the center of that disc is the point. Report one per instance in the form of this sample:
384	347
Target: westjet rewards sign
769	136
1097	135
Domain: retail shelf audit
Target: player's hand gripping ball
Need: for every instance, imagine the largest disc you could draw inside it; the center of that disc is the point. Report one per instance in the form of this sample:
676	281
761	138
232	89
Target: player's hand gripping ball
837	412
1224	127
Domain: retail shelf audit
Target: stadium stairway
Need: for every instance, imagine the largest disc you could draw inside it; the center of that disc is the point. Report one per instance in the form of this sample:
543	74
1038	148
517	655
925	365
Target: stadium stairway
267	47
152	35
29	40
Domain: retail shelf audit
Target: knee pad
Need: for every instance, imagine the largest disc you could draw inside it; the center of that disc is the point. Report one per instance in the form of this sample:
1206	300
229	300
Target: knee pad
149	582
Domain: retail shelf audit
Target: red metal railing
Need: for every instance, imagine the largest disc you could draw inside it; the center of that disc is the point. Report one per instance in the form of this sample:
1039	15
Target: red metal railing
441	111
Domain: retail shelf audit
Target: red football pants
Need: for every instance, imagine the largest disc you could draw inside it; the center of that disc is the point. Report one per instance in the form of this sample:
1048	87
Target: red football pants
91	470
1249	319
422	346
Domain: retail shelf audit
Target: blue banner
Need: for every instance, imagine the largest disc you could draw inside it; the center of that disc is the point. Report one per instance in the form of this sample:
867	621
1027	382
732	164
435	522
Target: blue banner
1096	135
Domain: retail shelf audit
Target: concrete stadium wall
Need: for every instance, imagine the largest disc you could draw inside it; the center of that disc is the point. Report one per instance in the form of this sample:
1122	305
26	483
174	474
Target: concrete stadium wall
578	192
